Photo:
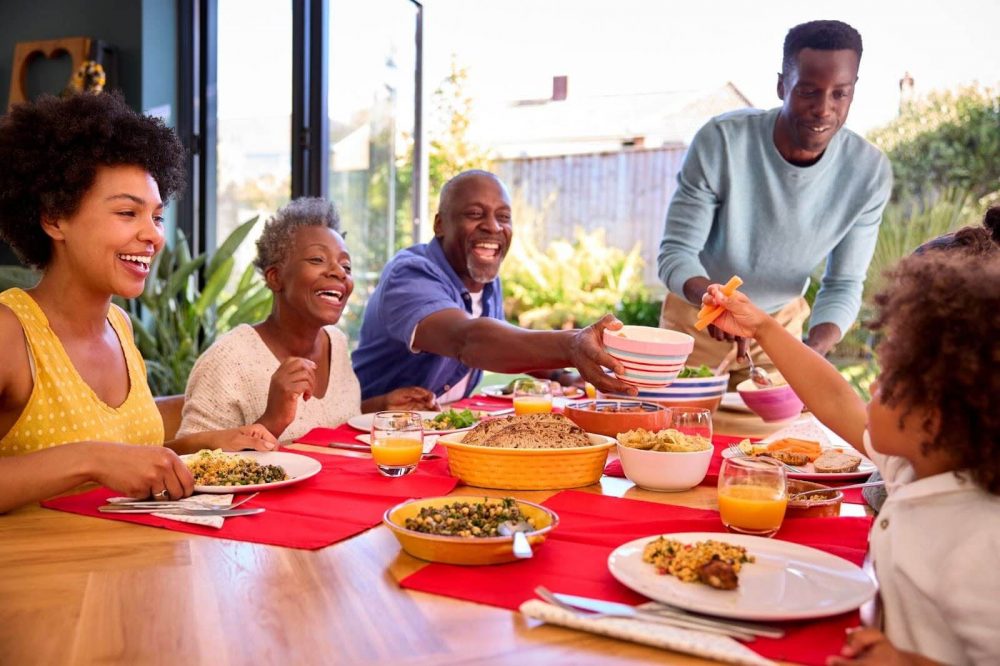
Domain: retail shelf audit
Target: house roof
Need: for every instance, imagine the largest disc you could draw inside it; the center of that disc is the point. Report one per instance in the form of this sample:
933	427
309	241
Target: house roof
600	122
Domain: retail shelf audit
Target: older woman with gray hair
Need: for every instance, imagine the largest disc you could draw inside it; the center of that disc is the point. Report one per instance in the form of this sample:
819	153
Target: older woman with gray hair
292	371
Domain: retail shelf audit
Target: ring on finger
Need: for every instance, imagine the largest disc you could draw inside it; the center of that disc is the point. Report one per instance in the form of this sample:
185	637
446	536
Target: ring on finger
163	494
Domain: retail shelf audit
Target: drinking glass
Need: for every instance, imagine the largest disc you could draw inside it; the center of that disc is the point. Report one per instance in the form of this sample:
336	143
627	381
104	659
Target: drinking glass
532	396
397	442
692	421
752	495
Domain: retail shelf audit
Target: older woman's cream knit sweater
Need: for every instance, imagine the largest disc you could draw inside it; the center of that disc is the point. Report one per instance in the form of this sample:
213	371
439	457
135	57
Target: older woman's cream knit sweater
229	383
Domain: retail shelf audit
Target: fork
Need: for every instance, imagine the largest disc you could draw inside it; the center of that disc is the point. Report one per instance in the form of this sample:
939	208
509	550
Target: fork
693	624
736	452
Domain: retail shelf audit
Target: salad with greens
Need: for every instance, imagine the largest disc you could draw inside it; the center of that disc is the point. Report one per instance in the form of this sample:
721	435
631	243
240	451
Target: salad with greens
701	371
452	419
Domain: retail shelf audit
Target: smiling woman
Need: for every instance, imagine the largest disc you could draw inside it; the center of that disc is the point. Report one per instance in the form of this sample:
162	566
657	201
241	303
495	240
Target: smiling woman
82	185
297	353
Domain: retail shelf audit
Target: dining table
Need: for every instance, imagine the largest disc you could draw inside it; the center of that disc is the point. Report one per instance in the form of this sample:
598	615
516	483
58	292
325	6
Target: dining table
76	589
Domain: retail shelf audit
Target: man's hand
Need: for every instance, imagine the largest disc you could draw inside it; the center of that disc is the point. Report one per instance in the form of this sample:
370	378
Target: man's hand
865	647
294	377
587	355
823	337
411	398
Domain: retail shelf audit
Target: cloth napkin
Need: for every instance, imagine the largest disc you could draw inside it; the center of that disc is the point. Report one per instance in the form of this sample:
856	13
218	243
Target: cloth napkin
342	434
574	560
216	522
482	403
721	443
347	497
710	646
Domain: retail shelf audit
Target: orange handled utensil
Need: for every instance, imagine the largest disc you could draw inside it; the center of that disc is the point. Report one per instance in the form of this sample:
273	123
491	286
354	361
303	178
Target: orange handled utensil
708	314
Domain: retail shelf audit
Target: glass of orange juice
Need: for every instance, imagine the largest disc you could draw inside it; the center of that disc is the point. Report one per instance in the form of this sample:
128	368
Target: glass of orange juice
532	396
752	495
397	442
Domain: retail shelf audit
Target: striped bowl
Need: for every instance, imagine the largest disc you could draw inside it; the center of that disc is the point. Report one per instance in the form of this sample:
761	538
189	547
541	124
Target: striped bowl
705	392
652	357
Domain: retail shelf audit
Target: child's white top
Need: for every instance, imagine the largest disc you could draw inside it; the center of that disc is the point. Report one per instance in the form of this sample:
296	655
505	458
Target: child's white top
936	547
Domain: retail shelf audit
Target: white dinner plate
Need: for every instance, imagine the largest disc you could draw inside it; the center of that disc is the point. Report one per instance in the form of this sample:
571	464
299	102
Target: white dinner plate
787	581
429	441
363	422
297	468
809	427
732	401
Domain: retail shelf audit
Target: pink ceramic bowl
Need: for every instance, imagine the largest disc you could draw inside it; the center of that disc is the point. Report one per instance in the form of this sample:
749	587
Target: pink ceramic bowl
650	357
777	403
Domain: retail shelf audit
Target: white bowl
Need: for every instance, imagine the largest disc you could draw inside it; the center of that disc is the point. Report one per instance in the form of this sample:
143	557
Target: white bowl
665	471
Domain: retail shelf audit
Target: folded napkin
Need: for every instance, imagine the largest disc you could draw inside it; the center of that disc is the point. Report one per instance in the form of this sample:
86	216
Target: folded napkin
342	434
221	501
710	646
482	403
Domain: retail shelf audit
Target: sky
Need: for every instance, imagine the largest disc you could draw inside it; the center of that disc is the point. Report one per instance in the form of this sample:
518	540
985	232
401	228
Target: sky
513	48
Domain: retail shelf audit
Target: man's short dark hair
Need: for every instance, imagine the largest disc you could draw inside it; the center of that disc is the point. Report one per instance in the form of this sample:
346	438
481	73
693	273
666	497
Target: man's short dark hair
822	36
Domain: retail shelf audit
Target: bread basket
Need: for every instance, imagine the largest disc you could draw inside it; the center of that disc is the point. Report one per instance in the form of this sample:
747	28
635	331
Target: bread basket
526	469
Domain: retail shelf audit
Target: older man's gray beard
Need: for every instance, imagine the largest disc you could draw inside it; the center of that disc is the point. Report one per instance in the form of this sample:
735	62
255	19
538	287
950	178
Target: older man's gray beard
479	273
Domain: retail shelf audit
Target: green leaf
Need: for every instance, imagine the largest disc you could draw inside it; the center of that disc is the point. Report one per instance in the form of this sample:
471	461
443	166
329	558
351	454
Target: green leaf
214	287
228	247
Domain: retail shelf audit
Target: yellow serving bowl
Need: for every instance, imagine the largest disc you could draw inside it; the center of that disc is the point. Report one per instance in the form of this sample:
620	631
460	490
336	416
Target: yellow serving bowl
464	550
527	469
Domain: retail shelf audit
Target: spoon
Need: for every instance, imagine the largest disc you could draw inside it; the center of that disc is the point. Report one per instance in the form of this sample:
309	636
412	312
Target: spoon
758	375
868	484
517	528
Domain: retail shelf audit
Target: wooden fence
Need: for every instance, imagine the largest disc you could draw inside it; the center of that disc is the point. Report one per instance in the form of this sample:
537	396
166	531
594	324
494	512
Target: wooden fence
626	193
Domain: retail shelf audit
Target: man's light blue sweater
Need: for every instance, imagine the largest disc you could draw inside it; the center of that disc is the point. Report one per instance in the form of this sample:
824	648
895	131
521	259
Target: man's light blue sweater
741	209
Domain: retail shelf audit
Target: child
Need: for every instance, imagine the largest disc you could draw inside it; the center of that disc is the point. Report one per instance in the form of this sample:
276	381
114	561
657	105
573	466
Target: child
83	182
933	430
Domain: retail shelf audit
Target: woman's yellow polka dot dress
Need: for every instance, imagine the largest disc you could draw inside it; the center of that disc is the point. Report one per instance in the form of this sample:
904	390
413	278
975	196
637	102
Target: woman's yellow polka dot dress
62	407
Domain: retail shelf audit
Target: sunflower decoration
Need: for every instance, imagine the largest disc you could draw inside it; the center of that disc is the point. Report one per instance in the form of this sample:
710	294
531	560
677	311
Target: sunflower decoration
89	77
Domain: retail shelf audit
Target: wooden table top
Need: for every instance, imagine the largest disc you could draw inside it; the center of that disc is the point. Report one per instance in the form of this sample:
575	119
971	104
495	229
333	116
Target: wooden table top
75	589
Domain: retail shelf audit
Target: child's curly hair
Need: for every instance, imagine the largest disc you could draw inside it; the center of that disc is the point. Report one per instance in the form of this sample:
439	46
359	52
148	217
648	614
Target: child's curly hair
49	154
942	352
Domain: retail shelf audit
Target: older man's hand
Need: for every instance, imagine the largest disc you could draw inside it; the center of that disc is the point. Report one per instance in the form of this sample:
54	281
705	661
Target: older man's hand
588	356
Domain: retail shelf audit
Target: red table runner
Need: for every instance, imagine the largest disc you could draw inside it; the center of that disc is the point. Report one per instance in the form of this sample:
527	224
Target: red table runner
721	443
347	497
574	561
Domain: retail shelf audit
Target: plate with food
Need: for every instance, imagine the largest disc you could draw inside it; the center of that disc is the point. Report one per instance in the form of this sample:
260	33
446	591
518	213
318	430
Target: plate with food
436	423
740	576
812	448
246	471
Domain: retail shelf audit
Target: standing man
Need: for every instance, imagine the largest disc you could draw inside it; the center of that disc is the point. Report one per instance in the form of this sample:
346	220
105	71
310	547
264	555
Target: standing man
436	317
768	195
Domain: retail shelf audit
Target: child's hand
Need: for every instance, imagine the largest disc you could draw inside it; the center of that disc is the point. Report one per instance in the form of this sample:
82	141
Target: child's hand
870	646
741	317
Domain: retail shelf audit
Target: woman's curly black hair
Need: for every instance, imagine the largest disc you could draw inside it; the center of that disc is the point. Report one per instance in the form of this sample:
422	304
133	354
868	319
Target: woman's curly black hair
50	151
942	353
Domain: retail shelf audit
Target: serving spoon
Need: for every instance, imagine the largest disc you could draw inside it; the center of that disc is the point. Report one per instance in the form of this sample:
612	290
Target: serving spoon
758	376
517	528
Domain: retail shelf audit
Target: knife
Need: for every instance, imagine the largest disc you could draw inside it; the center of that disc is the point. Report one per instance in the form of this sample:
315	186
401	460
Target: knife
180	512
739	629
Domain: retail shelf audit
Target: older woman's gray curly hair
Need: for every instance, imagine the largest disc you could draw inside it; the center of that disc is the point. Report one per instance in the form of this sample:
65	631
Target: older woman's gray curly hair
279	232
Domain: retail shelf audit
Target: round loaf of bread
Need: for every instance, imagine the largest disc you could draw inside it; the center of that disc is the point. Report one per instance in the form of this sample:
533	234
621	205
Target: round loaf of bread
529	431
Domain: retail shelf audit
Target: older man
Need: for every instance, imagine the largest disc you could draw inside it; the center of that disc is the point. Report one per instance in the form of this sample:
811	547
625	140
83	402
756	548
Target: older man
768	195
436	317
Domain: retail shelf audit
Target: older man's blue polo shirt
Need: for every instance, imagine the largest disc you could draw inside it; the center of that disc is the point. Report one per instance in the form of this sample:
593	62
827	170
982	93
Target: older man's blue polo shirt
416	283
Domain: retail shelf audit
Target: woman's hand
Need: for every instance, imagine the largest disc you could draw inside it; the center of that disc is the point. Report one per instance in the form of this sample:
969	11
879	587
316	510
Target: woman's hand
411	398
249	437
294	377
741	318
140	471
